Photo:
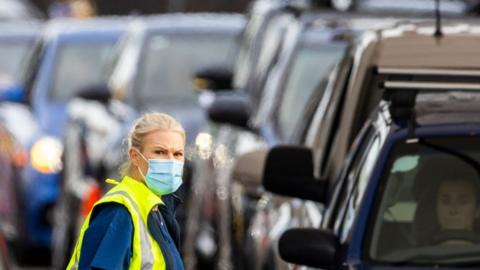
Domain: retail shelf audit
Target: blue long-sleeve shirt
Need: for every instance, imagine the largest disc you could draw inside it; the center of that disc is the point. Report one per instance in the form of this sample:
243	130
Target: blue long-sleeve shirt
108	240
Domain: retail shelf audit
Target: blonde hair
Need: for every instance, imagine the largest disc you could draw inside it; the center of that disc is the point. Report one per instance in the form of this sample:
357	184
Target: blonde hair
144	125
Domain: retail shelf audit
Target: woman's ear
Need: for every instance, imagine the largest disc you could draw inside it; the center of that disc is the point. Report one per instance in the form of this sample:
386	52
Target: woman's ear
133	155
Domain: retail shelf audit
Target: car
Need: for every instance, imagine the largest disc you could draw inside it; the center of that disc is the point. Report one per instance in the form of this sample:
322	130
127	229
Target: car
376	213
51	80
299	79
152	70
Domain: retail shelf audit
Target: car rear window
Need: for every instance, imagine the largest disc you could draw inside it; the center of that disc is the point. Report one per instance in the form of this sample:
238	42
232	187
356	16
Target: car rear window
429	210
311	67
13	55
169	62
78	65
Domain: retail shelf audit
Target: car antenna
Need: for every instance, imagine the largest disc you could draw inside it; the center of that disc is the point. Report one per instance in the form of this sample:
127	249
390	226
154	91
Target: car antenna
438	20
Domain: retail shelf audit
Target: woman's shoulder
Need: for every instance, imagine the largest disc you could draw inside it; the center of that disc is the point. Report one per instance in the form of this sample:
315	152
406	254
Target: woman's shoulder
109	213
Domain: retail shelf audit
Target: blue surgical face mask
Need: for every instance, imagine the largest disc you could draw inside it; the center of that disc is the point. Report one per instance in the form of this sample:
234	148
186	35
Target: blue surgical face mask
164	176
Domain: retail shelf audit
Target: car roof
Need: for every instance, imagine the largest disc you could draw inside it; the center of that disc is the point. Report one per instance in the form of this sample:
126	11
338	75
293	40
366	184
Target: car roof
414	46
20	29
412	49
192	21
378	50
66	26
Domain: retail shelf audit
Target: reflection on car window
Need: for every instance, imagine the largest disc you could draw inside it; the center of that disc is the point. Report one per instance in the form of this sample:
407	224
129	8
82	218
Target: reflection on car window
170	61
359	177
311	66
248	40
429	212
343	186
13	55
78	65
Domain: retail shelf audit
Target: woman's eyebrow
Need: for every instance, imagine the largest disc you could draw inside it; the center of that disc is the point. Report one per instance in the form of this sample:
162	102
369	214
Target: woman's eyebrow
160	146
168	148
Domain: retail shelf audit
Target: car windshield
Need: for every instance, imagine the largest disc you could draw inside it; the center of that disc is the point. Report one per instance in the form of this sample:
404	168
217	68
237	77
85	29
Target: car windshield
311	66
169	63
77	66
429	211
13	55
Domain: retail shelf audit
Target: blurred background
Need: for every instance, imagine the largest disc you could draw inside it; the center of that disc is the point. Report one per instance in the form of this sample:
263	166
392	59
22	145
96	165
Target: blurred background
241	76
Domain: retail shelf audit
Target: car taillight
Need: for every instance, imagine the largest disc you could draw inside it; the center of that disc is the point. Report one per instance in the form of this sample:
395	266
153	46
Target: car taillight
93	194
19	158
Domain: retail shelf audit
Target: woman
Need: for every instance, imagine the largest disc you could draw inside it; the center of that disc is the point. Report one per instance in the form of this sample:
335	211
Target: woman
133	225
457	210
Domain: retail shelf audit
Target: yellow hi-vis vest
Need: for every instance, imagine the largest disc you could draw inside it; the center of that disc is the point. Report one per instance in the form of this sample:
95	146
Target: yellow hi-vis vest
139	201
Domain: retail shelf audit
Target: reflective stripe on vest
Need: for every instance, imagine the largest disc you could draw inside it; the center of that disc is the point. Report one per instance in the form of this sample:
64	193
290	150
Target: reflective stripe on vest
145	243
146	252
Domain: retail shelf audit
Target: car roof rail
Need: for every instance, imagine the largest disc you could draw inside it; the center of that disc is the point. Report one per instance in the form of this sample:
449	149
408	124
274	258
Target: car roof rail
428	71
431	86
402	94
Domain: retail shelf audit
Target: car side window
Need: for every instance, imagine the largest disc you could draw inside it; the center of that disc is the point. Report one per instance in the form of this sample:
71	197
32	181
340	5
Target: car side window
269	50
306	82
342	184
353	180
358	179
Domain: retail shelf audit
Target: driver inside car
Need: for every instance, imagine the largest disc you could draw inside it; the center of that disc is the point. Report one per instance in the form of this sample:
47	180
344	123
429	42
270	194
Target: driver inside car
448	209
458	209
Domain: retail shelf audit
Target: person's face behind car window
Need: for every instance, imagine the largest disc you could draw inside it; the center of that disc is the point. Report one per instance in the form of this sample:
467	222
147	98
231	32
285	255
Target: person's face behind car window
457	207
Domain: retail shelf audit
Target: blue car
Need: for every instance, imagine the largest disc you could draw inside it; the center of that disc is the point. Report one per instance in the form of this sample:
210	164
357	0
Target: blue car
407	195
71	55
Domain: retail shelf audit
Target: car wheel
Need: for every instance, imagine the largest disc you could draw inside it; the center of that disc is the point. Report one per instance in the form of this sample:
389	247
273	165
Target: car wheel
343	5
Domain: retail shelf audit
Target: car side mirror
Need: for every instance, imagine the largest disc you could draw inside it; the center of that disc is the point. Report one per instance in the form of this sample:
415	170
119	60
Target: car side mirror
214	79
289	172
230	108
97	92
13	93
248	170
309	247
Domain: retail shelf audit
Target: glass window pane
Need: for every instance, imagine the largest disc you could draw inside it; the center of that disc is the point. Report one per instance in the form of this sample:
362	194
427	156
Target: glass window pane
311	66
169	63
13	55
429	209
78	65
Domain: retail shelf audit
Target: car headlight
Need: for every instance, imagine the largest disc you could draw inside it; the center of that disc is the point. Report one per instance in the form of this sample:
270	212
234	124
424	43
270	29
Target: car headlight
46	155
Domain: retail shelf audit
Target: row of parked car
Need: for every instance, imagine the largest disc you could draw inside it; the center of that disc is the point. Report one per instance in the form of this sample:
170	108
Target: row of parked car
376	113
62	147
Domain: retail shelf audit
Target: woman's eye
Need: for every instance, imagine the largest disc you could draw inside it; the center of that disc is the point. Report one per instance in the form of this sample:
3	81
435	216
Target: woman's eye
178	154
445	200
